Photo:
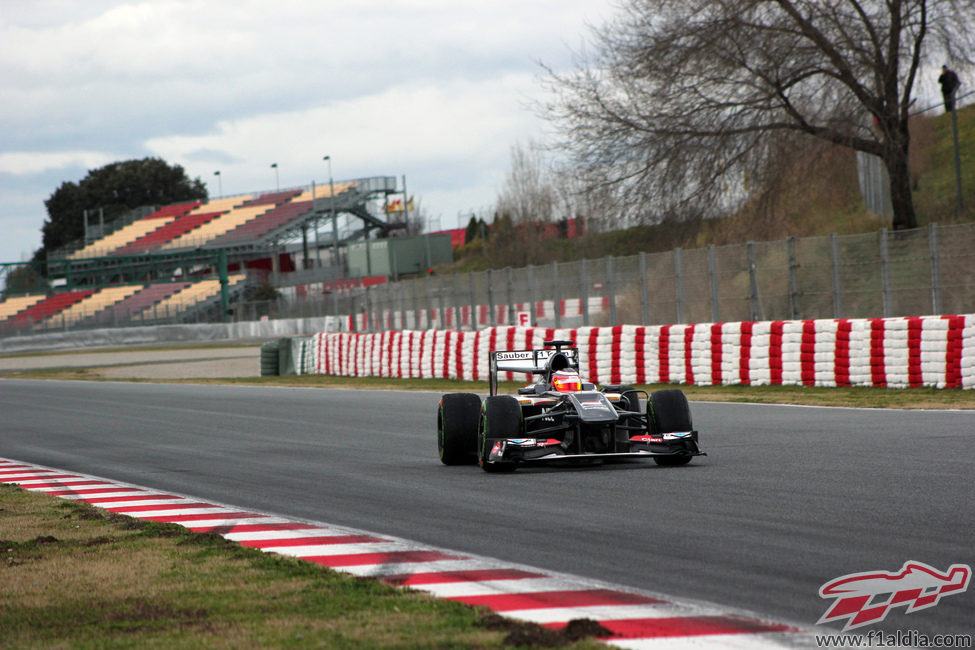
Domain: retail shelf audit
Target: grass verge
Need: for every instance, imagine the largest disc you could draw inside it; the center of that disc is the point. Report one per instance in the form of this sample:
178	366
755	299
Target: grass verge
75	576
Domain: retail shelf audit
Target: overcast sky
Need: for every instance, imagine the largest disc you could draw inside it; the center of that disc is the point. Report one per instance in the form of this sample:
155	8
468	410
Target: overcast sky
437	90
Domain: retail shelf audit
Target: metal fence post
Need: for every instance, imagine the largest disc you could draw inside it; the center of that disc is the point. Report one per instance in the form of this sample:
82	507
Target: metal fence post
584	292
440	297
935	269
428	312
644	297
368	300
611	290
753	301
713	277
834	253
885	273
470	277
790	244
455	302
490	287
556	295
679	284
508	281
416	306
531	295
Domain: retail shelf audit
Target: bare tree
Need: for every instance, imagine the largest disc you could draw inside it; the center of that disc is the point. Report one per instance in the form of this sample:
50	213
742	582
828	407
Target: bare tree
684	103
528	195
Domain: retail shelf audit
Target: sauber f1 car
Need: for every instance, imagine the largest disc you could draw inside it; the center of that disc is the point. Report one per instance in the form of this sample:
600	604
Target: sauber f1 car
561	418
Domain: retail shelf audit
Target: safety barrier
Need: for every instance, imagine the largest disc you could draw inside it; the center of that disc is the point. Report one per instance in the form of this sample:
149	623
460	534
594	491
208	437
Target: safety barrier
934	351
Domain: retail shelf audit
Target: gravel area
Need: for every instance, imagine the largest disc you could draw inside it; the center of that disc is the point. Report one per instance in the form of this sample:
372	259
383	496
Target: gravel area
177	363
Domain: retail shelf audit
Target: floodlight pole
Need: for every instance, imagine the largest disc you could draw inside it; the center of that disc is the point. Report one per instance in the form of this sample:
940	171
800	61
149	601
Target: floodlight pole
277	179
219	183
331	202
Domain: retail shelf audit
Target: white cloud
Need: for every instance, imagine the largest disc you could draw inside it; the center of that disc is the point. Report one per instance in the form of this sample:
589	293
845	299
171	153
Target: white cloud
434	89
20	163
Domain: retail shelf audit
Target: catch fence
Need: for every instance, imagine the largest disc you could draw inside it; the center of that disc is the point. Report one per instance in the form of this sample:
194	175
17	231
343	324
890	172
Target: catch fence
882	274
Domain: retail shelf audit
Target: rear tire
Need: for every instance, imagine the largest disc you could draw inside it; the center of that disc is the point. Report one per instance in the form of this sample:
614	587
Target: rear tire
500	418
457	420
669	412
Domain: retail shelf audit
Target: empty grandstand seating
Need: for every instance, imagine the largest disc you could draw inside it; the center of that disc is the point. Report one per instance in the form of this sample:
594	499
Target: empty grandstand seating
172	230
222	205
324	191
91	305
177	210
216	227
273	198
11	306
265	223
185	300
127	234
50	306
112	306
244	213
124	309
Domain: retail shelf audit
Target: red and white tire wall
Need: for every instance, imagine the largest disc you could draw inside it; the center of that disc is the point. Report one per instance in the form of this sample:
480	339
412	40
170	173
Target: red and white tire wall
934	351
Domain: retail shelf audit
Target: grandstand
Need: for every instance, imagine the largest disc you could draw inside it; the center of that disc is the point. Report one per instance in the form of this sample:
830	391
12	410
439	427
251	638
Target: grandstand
134	231
181	261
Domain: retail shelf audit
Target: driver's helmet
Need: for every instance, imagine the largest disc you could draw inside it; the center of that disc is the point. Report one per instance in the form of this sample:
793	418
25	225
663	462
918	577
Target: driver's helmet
566	381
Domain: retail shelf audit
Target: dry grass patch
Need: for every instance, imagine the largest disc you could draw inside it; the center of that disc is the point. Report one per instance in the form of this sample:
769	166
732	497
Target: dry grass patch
77	577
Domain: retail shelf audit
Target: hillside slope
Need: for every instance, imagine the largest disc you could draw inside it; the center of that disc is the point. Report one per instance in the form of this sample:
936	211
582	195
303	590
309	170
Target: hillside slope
817	193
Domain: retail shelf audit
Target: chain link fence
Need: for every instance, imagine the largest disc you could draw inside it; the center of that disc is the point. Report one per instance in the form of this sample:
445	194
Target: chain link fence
926	271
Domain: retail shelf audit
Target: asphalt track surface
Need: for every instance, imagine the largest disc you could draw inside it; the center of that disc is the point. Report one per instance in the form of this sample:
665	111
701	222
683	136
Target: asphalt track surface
788	499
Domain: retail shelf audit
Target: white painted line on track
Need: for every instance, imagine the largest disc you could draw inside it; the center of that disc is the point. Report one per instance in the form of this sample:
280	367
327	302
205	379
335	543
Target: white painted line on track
490	587
612	612
266	535
338	549
410	568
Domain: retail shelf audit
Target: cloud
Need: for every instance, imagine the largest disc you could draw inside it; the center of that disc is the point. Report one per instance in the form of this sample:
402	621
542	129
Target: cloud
439	135
434	89
27	163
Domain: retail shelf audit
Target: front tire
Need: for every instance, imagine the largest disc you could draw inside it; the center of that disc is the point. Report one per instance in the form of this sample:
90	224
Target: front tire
457	421
669	412
500	418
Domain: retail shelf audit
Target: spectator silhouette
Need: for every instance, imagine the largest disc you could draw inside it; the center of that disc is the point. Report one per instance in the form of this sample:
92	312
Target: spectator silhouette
949	84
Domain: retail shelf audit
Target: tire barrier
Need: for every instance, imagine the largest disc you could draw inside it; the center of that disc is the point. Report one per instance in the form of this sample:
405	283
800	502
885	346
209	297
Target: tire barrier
270	358
937	351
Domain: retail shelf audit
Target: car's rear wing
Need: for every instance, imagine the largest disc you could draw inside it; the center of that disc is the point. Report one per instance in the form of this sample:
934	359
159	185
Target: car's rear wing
531	362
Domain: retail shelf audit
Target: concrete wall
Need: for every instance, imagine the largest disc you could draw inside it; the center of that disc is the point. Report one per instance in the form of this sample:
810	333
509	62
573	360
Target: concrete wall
122	336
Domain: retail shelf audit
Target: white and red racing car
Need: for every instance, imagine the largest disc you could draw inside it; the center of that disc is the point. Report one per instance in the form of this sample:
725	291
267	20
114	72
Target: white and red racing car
561	418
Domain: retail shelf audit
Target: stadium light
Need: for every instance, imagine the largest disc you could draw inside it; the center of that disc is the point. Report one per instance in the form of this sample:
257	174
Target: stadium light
277	180
219	184
331	202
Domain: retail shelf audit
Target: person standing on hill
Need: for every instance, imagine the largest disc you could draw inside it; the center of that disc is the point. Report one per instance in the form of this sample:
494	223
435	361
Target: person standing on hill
949	84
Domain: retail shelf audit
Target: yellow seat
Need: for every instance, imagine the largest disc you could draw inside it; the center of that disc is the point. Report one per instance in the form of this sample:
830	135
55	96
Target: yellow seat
11	306
191	296
121	237
216	227
96	302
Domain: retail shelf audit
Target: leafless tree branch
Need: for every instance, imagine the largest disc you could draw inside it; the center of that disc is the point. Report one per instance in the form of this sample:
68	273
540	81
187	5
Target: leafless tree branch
678	99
